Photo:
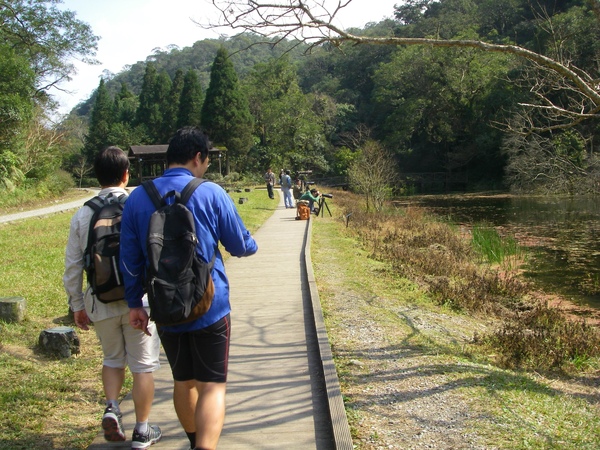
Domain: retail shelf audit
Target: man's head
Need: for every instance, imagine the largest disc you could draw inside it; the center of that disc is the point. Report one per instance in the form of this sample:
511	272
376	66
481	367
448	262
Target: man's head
314	192
287	172
185	145
111	167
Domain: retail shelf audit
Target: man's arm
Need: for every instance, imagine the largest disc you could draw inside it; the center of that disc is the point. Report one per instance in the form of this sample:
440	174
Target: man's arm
73	275
234	236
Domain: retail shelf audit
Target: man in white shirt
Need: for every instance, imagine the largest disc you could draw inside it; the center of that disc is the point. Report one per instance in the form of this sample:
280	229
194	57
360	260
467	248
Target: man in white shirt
122	345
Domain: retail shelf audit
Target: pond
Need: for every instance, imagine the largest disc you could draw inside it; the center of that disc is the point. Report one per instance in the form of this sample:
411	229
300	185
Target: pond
561	235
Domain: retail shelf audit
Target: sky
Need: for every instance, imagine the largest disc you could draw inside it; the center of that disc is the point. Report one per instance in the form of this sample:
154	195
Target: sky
130	30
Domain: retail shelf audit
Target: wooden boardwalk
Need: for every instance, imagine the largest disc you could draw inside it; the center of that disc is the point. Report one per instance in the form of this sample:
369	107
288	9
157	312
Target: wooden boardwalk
282	390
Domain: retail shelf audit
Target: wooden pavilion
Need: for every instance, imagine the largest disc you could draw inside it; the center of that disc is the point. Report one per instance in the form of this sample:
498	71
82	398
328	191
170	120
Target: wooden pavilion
150	161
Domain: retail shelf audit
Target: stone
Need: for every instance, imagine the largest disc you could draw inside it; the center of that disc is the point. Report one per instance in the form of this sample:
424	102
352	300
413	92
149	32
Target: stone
60	341
242	200
12	309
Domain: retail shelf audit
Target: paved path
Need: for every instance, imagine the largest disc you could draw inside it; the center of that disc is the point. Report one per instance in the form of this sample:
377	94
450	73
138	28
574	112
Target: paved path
283	392
50	209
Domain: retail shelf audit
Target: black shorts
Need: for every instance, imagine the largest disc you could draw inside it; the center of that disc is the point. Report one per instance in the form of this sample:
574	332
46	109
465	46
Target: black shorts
200	355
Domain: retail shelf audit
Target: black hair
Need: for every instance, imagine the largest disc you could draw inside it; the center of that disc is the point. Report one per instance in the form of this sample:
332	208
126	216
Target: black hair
110	166
185	144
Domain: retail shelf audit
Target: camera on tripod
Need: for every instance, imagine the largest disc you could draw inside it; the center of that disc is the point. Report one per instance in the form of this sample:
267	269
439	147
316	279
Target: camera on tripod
323	203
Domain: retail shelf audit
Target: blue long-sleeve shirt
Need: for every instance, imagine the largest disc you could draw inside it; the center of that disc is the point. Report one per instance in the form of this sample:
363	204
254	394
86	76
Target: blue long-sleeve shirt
216	220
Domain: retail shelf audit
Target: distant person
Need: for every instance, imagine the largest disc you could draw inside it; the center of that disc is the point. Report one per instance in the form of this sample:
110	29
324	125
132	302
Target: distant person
297	189
198	351
122	345
269	177
286	188
312	197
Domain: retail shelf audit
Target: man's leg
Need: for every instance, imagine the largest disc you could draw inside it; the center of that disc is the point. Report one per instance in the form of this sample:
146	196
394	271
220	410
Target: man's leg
112	382
210	414
143	395
185	399
200	408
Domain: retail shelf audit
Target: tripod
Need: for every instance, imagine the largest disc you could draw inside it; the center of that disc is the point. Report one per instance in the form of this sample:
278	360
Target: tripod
322	203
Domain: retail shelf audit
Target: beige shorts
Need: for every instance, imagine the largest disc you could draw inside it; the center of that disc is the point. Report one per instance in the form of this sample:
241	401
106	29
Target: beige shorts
124	346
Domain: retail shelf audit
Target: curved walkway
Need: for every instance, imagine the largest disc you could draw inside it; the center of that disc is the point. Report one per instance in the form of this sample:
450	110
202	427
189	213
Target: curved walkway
52	209
282	391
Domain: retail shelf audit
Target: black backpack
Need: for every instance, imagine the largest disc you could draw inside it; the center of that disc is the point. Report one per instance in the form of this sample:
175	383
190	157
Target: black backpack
101	256
179	284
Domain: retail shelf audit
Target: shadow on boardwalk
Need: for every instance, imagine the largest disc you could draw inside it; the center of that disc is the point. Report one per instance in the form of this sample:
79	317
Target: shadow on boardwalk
283	392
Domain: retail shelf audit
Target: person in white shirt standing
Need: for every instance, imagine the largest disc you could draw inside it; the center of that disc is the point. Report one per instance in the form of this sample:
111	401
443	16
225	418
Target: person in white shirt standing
122	345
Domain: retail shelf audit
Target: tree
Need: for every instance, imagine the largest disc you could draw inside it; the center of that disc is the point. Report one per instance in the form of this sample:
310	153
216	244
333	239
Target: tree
171	111
47	37
373	174
288	129
101	121
145	111
190	101
162	129
16	92
225	113
313	22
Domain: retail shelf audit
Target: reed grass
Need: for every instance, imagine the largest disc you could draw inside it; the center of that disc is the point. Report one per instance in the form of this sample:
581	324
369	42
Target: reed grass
496	249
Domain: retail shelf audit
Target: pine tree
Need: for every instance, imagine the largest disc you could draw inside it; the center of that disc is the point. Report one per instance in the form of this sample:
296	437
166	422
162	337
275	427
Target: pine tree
171	110
101	120
160	131
190	103
125	105
144	112
225	113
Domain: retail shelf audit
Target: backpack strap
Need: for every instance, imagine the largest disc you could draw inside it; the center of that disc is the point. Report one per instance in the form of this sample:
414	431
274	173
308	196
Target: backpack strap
153	193
187	192
95	203
184	197
189	189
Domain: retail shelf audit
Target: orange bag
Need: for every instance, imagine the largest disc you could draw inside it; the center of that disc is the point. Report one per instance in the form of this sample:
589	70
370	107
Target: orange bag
302	211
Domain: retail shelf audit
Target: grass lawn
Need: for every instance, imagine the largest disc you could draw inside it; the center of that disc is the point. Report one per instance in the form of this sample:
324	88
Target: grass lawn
50	403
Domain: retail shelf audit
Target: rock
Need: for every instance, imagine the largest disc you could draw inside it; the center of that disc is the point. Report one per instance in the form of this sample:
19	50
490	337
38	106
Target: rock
12	309
59	341
242	200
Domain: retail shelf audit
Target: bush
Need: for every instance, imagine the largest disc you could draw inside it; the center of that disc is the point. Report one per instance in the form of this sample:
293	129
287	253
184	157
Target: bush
57	183
543	338
32	190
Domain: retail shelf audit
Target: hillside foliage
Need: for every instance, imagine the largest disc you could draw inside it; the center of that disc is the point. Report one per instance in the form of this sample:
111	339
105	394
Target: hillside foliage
497	119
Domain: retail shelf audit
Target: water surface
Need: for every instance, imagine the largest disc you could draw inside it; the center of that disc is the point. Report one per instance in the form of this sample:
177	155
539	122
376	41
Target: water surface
560	234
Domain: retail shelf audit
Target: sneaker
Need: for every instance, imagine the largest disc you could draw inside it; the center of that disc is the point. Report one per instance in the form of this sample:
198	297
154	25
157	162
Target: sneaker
112	425
152	436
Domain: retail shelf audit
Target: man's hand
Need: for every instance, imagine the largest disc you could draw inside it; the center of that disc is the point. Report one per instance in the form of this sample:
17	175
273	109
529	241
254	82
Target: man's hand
81	319
138	319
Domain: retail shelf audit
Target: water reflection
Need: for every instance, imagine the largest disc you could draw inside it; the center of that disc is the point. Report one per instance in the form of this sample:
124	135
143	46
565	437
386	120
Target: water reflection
560	233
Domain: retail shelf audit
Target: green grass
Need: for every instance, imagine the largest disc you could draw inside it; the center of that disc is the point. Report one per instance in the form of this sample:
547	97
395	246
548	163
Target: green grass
41	397
494	248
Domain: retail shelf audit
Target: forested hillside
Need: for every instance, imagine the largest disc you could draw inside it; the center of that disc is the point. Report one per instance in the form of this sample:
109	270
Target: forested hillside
494	118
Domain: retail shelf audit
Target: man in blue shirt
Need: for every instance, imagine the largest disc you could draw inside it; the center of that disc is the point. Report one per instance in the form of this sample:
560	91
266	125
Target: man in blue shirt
197	351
